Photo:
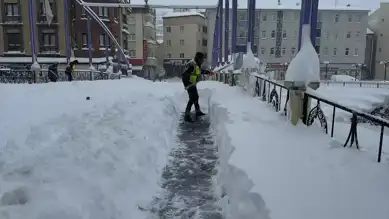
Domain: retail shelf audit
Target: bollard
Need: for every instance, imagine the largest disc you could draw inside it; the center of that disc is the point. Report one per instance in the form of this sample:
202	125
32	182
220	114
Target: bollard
296	96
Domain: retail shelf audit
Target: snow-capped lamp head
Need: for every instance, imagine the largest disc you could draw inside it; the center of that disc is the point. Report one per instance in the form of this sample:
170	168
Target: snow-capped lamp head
304	69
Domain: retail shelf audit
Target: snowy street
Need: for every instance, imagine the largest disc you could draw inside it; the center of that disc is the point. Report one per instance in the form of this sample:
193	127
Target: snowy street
125	153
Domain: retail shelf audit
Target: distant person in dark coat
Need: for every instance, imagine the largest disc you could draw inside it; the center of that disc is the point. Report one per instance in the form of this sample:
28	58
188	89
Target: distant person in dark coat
53	72
70	69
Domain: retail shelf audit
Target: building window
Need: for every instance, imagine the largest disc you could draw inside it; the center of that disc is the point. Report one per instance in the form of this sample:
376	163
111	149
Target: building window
83	12
12	9
357	34
264	17
205	42
242	15
182	42
283	51
169	29
347	52
336	36
132	53
102	40
263	34
48	40
284	35
274	17
272	51
325	51
325	35
169	55
263	50
13	40
356	52
273	34
295	34
132	36
348	34
103	12
181	29
205	29
168	42
336	18
293	50
380	49
182	55
350	18
335	52
359	18
84	40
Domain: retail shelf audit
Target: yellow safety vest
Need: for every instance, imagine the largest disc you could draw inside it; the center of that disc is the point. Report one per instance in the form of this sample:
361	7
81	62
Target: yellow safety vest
193	75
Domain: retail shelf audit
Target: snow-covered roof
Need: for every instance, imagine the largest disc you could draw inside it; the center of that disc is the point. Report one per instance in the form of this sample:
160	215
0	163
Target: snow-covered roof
273	4
182	14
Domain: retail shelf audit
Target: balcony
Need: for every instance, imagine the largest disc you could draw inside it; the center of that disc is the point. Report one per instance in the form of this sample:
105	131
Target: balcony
13	19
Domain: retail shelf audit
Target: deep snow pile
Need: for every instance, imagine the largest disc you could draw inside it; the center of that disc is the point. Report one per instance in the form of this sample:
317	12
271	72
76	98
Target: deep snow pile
270	169
62	156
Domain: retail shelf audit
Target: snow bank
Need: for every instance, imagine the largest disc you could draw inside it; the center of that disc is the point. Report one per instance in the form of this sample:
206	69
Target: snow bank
342	78
233	184
263	175
63	156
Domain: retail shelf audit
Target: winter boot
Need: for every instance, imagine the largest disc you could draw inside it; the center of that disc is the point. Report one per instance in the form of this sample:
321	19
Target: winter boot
199	113
187	118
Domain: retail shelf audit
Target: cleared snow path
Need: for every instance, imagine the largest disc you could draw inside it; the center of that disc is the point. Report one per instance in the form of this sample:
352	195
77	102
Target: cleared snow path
187	179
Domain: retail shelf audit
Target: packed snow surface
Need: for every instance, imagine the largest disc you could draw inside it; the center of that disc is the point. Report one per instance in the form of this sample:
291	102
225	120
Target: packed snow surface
62	156
342	78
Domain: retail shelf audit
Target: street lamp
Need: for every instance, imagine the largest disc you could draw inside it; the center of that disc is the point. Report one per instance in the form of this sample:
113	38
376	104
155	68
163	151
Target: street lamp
358	67
285	68
385	63
326	63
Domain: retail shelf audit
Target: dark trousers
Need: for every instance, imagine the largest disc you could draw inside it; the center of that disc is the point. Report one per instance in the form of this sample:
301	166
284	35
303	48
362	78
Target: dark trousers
193	99
70	77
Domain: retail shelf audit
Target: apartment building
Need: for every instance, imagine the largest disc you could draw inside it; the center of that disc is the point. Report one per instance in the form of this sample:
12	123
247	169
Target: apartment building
341	35
50	39
379	51
15	29
141	42
185	33
110	16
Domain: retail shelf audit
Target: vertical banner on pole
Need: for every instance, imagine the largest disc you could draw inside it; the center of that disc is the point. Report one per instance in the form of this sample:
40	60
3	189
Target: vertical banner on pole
215	43
249	31
253	29
226	30
305	17
89	40
106	44
234	25
32	30
314	14
67	31
221	31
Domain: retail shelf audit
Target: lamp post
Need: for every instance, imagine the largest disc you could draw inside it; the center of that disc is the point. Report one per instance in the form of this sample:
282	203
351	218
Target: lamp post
358	69
385	63
326	63
285	68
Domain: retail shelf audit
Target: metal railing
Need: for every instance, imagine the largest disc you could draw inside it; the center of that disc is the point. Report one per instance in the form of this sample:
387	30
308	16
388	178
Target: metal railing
30	77
272	92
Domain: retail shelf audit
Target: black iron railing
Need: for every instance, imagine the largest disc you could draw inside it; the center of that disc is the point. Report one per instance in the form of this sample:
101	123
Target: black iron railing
272	92
30	77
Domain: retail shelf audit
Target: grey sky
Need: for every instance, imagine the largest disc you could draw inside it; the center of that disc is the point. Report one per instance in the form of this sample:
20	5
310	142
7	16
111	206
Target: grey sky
368	4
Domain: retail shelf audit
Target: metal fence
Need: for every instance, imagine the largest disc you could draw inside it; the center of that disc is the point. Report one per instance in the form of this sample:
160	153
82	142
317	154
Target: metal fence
272	92
30	77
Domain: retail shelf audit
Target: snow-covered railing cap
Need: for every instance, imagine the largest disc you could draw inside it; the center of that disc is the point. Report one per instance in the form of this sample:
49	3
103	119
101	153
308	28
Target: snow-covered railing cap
305	67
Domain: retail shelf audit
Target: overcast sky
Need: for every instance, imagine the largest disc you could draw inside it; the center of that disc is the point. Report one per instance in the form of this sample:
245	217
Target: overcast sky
368	4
